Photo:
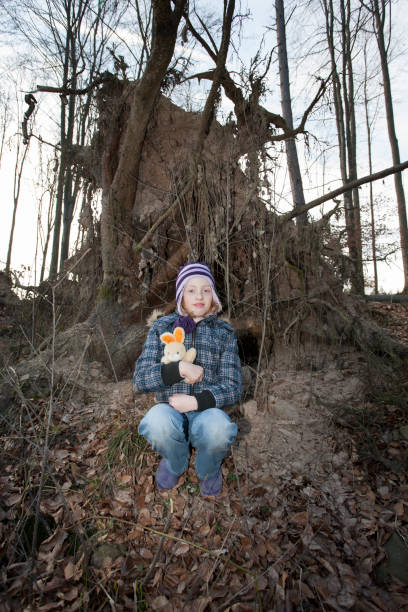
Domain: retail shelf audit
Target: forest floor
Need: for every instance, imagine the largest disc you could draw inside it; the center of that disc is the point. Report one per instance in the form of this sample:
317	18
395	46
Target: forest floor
313	513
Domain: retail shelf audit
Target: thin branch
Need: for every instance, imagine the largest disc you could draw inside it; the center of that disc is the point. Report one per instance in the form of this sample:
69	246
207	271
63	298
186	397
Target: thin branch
164	216
212	553
201	40
347	187
66	91
150	571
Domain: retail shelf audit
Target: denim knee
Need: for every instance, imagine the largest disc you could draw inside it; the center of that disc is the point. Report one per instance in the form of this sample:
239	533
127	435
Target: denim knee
213	428
160	423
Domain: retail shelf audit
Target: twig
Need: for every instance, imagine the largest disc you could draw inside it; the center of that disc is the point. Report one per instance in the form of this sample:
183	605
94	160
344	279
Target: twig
111	602
47	434
57	485
158	551
242	499
255	578
227	264
164	216
108	352
50	144
177	539
67	91
265	316
218	556
74	265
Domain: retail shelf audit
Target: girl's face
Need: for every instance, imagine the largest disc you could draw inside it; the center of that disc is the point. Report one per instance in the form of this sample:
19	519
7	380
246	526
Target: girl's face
197	297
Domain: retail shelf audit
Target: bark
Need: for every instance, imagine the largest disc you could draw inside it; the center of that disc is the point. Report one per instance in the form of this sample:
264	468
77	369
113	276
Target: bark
378	8
290	144
69	190
343	95
354	222
395	298
119	192
256	124
370	169
18	171
208	112
62	167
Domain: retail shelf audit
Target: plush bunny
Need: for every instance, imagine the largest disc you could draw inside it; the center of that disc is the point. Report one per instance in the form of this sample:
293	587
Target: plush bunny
174	349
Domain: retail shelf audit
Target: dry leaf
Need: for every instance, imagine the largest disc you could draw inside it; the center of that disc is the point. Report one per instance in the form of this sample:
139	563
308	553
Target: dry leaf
306	591
181	549
50	548
144	516
51	606
399	509
201	603
68	595
60	453
159	602
299	519
205	530
260	549
69	570
145	553
73	571
124	497
13	499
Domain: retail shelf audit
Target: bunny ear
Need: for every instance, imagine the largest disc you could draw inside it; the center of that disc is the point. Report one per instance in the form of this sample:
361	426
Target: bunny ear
179	334
167	337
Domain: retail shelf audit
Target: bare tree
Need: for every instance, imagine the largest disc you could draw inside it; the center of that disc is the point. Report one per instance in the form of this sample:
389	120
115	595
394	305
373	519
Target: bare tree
119	188
380	11
4	120
20	159
286	102
369	122
343	97
72	37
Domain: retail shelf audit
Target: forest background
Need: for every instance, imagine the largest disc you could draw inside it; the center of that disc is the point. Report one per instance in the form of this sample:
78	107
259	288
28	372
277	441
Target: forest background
32	53
139	135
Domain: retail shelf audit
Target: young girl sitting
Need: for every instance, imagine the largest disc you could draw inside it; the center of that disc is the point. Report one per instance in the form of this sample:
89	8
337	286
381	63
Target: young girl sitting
191	396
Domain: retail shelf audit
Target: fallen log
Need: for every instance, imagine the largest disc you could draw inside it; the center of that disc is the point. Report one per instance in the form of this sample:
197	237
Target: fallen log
397	298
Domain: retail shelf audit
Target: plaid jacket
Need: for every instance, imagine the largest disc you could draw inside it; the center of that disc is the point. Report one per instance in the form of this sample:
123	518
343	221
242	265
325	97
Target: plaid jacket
217	353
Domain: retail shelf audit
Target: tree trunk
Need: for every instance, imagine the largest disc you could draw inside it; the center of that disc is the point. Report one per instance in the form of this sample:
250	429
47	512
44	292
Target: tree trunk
290	144
62	166
379	17
119	192
343	103
370	168
70	186
18	171
351	139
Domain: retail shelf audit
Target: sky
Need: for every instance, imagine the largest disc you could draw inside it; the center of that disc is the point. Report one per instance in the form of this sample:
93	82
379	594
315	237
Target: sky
302	87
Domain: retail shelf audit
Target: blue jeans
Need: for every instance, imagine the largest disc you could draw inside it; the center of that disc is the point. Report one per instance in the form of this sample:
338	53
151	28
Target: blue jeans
170	433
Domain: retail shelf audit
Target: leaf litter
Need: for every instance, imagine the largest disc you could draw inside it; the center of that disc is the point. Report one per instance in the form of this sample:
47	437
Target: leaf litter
302	523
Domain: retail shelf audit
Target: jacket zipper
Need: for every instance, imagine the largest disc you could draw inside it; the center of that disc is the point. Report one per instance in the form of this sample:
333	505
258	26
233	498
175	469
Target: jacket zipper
193	339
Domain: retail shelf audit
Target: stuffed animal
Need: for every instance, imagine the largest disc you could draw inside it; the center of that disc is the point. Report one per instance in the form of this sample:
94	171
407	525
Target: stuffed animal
174	349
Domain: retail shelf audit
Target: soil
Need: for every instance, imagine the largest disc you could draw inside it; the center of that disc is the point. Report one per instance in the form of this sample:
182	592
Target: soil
314	490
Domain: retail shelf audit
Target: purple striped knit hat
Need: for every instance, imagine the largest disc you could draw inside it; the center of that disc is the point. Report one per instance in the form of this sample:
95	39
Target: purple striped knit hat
195	268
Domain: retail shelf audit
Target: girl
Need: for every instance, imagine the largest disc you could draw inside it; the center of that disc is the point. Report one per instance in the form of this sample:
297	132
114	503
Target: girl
191	395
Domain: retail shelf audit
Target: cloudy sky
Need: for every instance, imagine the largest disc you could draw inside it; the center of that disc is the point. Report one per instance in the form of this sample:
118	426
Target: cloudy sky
302	42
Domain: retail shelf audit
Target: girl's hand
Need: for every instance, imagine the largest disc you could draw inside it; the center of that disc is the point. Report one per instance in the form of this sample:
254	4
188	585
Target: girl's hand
190	372
182	402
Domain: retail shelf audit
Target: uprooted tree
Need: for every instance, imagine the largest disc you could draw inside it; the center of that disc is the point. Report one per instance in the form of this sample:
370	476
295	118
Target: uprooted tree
174	188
